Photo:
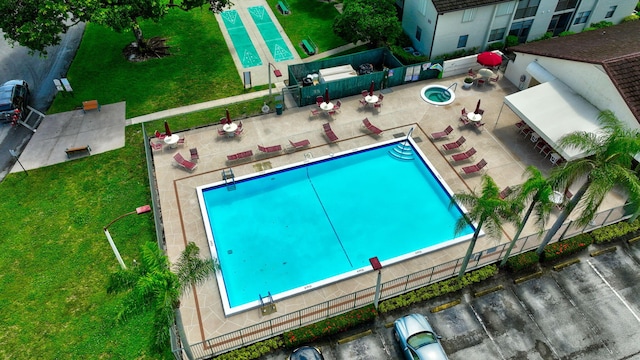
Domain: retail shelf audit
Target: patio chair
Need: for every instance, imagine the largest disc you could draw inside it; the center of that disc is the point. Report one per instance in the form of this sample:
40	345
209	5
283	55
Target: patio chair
442	134
315	112
181	141
467	170
505	192
541	144
526	131
160	136
545	151
480	111
337	106
155	146
194	154
239	124
238	131
365	93
471	73
454	145
223	120
480	82
479	125
222	132
495	79
369	126
184	163
332	112
363	102
319	100
380	97
299	144
464	156
377	105
329	132
521	124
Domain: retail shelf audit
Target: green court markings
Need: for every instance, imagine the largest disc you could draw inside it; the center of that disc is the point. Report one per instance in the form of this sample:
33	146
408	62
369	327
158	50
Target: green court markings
240	38
270	34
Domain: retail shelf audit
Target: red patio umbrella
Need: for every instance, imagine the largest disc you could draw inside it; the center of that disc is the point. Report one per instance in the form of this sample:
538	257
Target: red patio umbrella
371	88
228	116
477	107
488	58
326	96
167	131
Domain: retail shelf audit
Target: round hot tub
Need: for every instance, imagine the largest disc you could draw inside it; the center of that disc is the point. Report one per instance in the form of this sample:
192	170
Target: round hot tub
437	95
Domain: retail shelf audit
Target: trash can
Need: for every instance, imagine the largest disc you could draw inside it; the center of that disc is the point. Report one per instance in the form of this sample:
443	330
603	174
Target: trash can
278	109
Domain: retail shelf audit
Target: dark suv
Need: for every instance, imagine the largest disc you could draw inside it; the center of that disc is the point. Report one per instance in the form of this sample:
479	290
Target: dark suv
14	95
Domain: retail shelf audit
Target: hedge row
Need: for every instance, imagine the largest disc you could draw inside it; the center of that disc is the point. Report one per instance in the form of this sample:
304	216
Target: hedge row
253	351
615	231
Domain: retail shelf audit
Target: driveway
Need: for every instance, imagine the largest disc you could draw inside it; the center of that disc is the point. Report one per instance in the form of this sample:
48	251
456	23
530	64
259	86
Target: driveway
587	310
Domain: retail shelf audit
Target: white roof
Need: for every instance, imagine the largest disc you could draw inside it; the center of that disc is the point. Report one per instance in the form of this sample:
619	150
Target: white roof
552	110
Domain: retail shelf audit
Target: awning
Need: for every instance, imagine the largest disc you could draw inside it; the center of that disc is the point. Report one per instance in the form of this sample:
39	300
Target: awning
539	73
553	109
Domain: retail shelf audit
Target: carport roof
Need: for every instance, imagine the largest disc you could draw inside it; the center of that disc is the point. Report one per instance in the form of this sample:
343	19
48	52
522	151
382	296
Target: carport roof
556	111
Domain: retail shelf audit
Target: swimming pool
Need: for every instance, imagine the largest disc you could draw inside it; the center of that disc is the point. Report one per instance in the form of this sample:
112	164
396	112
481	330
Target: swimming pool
313	223
247	53
270	34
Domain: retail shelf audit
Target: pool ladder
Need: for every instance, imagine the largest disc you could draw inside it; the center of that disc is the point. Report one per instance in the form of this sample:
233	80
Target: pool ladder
454	86
268	307
403	150
229	179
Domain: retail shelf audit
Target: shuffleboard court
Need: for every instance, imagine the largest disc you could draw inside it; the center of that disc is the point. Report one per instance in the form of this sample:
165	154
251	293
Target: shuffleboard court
241	41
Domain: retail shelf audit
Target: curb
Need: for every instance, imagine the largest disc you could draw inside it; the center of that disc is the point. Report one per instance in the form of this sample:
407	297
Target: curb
603	251
445	306
631	241
488	291
355	337
565	264
528	277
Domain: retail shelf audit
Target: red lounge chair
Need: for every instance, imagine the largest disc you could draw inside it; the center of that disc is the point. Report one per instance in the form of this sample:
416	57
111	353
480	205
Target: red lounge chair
184	163
505	192
454	145
194	154
270	149
232	157
369	126
159	135
474	168
299	144
442	134
240	155
464	156
155	146
330	134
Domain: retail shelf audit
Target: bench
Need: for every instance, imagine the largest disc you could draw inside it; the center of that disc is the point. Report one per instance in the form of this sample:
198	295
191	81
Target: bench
306	45
75	150
90	105
283	8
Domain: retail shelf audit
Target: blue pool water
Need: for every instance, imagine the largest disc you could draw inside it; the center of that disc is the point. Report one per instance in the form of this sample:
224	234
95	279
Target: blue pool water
272	38
247	53
298	228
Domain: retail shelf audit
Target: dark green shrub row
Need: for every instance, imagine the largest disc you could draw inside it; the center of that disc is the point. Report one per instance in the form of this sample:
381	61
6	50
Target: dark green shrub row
330	326
523	262
567	247
512	40
253	351
632	17
456	54
437	289
614	231
405	57
498	45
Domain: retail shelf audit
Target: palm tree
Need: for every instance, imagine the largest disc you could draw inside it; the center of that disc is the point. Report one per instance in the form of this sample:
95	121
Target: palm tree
609	165
151	285
537	190
487	210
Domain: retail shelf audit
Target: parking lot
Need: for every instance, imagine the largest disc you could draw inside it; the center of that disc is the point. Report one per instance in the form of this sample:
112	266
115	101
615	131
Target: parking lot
587	310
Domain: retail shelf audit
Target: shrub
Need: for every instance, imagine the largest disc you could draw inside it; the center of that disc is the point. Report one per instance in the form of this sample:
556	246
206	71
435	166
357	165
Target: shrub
512	40
524	261
330	326
632	17
499	45
565	33
567	247
407	58
440	288
253	351
601	24
615	231
547	35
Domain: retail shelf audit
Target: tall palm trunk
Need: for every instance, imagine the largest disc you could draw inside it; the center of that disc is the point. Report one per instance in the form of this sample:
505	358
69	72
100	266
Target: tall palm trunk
472	245
517	235
137	32
563	216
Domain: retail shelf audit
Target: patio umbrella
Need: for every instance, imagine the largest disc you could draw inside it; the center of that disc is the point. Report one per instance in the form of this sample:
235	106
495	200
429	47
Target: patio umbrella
371	88
477	107
166	129
228	116
326	96
488	58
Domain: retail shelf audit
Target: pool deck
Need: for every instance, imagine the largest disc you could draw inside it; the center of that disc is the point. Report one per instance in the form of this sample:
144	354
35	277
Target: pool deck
506	152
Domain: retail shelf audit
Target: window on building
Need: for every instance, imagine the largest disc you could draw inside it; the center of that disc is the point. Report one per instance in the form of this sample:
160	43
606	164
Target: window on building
521	30
526	8
462	41
468	15
418	33
582	17
566	4
505	8
422	7
612	9
497	34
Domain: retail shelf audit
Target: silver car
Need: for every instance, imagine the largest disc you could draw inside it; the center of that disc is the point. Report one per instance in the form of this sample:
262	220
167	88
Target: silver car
417	338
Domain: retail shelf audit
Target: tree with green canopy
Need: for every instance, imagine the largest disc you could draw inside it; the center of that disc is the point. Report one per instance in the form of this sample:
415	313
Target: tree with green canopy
151	285
37	24
610	164
372	21
536	190
488	210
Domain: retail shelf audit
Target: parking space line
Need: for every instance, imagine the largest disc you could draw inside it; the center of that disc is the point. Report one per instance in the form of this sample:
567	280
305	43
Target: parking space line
487	331
614	291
